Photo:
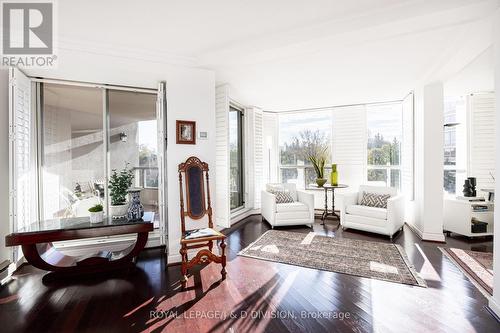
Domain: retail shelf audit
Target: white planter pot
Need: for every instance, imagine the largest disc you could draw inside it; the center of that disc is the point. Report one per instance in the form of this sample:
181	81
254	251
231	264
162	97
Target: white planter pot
118	211
96	217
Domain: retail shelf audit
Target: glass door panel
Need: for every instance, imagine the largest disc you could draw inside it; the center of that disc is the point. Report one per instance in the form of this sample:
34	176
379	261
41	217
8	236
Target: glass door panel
72	150
133	143
236	158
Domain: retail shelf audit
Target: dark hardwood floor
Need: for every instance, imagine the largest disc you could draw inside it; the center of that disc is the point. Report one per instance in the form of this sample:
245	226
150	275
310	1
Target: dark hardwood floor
257	295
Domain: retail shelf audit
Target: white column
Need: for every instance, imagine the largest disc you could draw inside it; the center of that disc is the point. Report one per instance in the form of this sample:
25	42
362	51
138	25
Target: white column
494	302
428	209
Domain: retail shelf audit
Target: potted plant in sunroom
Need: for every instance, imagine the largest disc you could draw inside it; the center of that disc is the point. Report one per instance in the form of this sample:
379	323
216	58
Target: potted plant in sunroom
119	183
318	160
96	214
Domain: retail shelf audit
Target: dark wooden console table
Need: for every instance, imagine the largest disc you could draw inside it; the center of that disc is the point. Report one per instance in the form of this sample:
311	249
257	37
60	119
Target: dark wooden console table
36	243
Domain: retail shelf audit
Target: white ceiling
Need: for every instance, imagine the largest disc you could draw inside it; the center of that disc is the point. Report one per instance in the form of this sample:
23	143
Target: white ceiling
286	54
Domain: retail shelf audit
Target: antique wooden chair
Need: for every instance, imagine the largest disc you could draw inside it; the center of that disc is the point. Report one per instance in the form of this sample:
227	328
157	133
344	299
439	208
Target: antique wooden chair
198	204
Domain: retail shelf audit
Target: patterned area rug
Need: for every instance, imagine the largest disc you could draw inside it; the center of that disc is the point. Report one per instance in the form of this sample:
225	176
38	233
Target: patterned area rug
478	266
374	260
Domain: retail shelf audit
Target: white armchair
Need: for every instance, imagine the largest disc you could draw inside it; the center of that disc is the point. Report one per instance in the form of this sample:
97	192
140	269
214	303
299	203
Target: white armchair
385	221
301	211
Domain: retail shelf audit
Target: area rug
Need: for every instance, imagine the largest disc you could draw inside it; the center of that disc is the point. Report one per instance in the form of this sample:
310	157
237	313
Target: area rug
477	266
374	260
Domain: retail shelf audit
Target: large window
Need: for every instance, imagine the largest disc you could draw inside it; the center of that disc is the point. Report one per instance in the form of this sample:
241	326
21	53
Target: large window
454	171
303	132
385	128
236	158
300	134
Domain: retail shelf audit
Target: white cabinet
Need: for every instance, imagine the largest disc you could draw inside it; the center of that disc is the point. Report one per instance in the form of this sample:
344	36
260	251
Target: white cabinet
458	216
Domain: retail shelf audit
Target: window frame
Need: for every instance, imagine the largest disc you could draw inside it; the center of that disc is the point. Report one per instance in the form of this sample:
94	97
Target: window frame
388	167
241	154
306	167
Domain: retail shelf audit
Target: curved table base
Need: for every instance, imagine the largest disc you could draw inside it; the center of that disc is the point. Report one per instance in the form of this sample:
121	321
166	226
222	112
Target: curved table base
72	267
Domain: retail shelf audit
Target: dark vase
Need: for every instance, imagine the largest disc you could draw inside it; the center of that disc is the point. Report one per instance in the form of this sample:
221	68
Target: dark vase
135	209
468	190
473	184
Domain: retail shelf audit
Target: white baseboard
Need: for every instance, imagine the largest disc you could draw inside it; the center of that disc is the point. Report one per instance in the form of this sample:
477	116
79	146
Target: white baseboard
494	306
174	258
11	269
426	236
433	237
244	214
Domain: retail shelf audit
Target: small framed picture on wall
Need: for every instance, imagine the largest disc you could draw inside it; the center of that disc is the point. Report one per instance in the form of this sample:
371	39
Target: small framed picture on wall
186	132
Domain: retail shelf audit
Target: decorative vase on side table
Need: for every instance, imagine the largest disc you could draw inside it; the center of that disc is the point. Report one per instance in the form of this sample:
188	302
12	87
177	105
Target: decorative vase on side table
135	209
318	160
320	181
334	176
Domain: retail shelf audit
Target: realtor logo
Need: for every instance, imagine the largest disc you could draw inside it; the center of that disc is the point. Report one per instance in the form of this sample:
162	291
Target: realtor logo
27	28
28	34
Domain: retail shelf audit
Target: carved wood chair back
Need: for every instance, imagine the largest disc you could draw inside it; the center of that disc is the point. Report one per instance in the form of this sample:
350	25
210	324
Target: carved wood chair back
194	186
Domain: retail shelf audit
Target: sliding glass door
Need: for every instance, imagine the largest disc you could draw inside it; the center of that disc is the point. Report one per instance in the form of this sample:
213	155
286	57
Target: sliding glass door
236	179
86	133
72	150
133	143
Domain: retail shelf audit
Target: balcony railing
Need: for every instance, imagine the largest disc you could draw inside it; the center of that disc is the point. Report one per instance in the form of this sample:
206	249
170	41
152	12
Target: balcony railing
303	176
146	177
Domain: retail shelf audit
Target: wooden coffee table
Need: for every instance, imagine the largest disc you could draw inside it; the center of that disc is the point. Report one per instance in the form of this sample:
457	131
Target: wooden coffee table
36	243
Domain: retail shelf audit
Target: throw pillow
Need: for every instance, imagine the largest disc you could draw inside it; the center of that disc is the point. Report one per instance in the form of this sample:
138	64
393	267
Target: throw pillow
375	200
282	196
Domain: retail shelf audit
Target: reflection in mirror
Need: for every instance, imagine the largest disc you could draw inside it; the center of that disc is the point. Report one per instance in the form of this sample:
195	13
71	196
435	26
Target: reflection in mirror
195	192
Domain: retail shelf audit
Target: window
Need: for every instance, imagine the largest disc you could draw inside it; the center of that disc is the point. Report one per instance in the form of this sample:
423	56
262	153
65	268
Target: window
384	122
236	158
453	173
300	134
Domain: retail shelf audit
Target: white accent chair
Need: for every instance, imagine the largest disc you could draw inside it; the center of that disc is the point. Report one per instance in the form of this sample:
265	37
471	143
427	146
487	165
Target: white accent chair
301	211
372	219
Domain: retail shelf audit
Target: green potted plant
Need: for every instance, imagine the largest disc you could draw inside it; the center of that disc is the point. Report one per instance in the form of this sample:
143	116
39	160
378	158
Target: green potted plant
318	160
119	183
96	214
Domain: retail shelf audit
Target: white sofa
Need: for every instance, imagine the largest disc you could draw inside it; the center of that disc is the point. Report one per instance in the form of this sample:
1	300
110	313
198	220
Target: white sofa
378	220
301	211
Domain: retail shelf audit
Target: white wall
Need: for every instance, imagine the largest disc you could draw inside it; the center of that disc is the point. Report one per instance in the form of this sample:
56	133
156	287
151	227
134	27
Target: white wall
4	163
428	205
190	96
495	301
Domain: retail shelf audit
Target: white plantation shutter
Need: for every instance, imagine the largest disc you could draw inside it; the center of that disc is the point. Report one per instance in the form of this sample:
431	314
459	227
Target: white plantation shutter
258	158
482	139
22	153
222	207
270	147
254	149
407	148
349	147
